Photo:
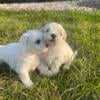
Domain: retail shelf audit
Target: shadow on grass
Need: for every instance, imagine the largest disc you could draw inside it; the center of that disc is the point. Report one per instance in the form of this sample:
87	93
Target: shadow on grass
6	72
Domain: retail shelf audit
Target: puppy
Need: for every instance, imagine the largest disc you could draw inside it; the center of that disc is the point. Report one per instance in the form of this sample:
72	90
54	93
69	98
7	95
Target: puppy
22	57
59	52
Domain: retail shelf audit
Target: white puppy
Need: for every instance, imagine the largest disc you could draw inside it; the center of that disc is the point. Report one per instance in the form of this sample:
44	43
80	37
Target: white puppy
59	52
22	56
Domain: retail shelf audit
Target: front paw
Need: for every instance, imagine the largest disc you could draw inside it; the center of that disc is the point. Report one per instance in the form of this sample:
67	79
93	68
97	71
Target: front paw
28	84
49	73
66	66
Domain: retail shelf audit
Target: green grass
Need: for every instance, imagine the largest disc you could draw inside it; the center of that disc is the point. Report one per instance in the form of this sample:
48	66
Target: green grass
81	82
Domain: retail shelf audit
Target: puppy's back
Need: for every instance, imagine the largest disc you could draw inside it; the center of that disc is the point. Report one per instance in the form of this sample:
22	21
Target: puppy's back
8	52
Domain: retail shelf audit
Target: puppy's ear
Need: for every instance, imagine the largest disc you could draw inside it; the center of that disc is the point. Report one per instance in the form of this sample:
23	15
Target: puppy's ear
42	29
24	40
63	34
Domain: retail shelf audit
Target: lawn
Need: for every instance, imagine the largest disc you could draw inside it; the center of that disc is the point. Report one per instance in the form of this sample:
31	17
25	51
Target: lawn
80	82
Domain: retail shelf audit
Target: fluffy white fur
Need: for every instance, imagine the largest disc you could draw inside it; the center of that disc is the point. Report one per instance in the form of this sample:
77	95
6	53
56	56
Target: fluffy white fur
22	56
59	52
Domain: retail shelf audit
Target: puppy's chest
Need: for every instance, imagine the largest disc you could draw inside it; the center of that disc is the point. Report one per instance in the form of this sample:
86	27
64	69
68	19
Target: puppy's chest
55	54
32	60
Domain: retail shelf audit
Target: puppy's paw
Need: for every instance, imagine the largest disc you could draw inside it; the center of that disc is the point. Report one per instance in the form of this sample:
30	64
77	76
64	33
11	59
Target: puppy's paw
29	84
65	66
52	73
49	73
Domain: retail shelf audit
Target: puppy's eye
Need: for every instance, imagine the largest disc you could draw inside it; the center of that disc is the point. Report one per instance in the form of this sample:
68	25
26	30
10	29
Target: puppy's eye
47	30
37	41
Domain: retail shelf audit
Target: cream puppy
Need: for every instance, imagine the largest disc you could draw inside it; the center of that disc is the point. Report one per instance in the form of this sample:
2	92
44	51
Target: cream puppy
59	52
22	57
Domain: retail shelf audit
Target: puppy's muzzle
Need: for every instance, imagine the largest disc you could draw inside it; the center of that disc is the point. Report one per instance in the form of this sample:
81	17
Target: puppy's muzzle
53	37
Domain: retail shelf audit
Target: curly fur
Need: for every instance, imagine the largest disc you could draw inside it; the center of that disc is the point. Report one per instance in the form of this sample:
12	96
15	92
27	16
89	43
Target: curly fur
59	52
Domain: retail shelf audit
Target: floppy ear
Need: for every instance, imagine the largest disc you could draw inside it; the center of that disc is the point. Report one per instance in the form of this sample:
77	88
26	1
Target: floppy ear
63	34
42	29
24	40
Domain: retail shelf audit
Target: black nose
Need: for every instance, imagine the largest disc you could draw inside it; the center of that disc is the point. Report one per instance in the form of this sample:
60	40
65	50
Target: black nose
53	36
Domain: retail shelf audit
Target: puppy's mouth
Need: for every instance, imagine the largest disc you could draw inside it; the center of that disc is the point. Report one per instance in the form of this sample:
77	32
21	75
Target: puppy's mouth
52	40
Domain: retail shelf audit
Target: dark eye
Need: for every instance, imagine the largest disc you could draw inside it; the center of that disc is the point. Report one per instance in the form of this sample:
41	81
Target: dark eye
38	41
47	30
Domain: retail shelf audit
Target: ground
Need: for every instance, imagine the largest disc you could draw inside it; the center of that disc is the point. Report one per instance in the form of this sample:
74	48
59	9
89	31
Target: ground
80	82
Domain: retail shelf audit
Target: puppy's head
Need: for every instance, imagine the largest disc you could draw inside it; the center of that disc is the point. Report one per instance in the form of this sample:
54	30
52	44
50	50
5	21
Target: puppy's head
33	41
53	33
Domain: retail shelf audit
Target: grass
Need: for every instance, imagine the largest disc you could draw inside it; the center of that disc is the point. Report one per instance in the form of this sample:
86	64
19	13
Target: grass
81	82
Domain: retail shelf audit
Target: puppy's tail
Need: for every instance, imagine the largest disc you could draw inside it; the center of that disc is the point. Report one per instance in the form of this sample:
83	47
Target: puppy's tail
71	60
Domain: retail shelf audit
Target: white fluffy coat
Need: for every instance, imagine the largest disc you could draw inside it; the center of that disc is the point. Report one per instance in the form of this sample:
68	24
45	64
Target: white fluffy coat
59	52
57	55
22	56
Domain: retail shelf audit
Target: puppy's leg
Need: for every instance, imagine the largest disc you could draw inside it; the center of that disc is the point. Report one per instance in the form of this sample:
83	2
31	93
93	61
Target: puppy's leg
43	69
54	68
24	77
23	73
68	63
